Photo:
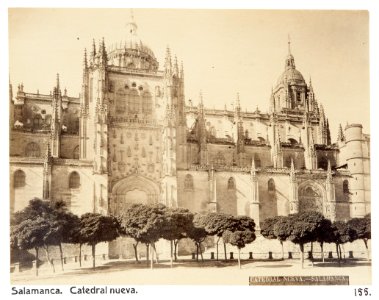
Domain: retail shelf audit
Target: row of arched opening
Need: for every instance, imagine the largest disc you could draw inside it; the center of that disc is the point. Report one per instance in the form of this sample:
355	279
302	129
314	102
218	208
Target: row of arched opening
33	150
19	179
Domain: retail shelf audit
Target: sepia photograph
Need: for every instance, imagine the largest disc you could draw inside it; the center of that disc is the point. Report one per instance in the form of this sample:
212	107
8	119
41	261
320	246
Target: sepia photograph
189	147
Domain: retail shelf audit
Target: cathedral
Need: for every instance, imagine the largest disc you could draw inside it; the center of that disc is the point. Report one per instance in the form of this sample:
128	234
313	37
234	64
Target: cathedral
131	137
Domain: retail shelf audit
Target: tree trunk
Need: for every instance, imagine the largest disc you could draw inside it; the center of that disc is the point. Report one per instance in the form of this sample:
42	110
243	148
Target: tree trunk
46	247
176	242
302	255
80	255
93	255
61	253
218	240
151	257
135	251
156	254
311	258
147	253
171	254
201	252
239	257
36	248
342	252
281	242
367	252
322	252
197	252
225	251
338	255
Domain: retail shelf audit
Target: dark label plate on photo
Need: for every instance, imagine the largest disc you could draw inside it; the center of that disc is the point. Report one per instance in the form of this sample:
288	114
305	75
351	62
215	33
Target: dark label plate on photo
299	280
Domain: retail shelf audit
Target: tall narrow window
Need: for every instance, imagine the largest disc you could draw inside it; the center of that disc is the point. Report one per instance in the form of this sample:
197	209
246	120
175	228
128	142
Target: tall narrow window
188	182
271	185
345	187
146	103
74	180
231	183
19	179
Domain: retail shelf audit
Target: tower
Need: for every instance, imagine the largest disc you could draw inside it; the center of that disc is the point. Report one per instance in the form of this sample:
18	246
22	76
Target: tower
359	165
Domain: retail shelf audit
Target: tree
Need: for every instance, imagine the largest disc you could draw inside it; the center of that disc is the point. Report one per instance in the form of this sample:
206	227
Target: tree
197	233
270	231
96	228
240	233
303	229
342	234
216	224
28	234
176	225
325	235
362	227
144	223
239	239
53	225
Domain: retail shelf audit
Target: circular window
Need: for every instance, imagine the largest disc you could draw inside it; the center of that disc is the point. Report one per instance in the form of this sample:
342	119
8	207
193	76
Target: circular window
134	84
140	88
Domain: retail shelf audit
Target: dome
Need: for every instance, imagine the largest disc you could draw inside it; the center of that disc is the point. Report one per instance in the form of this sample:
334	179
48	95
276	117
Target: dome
132	53
291	75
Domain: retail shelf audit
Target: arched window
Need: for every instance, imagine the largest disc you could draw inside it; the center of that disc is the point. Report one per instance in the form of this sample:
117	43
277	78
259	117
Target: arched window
231	184
32	150
37	121
271	185
345	187
323	163
146	103
257	162
246	134
188	182
74	180
19	179
133	101
76	153
121	99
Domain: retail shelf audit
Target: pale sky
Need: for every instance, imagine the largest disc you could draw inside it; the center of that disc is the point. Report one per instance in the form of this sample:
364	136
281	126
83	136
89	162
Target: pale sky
223	51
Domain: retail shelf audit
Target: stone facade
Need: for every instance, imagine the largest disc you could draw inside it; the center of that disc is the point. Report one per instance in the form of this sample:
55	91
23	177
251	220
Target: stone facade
131	137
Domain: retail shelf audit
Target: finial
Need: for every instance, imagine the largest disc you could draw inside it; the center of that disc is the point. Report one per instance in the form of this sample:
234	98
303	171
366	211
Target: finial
85	64
201	97
93	47
238	100
329	171
57	86
181	69
289	44
65	92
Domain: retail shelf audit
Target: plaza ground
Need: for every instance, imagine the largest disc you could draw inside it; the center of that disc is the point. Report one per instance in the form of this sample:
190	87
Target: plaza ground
187	271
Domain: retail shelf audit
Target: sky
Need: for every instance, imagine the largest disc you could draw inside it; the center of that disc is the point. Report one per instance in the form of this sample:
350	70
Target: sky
224	52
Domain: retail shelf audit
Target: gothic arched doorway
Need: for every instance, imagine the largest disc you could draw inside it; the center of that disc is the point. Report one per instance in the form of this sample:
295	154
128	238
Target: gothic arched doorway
310	198
131	190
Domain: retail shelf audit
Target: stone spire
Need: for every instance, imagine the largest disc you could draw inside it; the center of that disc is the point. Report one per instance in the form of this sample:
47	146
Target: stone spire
290	61
176	67
85	62
253	170
340	135
329	172
181	73
168	63
93	52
